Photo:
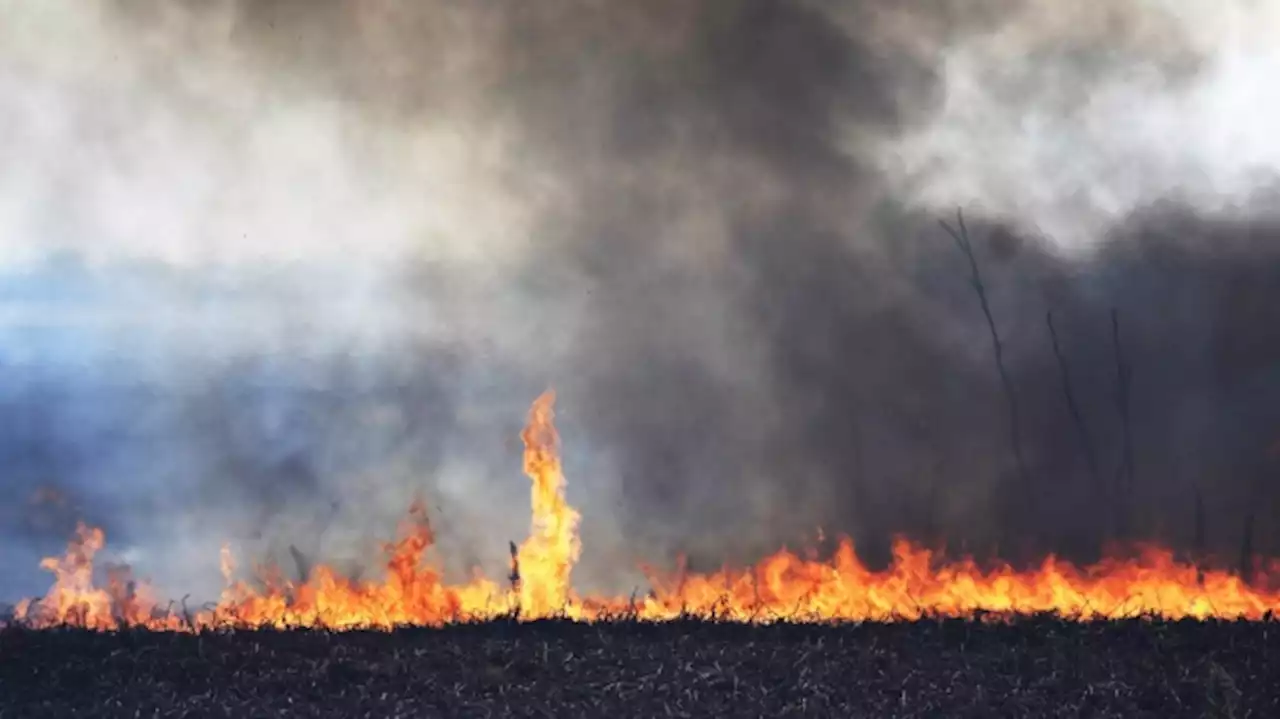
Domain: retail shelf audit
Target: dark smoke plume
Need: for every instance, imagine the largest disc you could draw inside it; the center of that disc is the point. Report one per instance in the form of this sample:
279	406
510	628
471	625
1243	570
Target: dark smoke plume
273	268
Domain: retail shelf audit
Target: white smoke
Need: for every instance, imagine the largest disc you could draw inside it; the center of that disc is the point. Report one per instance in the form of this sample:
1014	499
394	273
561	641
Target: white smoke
1065	120
172	206
376	226
123	142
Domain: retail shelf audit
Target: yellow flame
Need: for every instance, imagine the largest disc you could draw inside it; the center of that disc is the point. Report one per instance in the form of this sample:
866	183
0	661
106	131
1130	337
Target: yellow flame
784	585
547	557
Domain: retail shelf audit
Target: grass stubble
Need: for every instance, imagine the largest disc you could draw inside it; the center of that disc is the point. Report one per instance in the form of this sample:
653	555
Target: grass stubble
1031	666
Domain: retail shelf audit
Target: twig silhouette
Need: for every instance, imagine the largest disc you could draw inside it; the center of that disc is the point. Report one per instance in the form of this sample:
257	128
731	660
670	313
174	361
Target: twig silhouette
1125	472
301	563
960	233
1077	417
1199	533
1246	549
514	576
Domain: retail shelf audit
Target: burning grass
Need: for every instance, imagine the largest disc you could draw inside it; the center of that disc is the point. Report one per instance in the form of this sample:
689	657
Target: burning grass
785	585
792	636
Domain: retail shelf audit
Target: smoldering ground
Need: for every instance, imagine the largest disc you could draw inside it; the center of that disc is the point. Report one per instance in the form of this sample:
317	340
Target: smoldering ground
276	268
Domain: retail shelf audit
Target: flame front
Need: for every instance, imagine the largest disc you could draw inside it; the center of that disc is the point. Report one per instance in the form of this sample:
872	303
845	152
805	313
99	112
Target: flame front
548	555
782	586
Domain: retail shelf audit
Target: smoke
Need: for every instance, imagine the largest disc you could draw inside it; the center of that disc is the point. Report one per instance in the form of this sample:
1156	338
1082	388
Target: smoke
211	333
1065	121
273	268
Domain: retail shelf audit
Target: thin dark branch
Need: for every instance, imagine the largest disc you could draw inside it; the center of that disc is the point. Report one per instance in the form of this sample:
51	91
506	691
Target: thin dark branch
960	234
301	563
1125	473
1200	533
514	576
860	479
1077	417
1246	549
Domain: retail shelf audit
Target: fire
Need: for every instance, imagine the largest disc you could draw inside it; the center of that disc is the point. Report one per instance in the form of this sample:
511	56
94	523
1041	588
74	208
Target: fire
785	585
545	559
74	599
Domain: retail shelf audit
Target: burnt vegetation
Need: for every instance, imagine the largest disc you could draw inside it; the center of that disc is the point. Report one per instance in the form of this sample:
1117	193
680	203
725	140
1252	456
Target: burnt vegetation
1035	666
1143	407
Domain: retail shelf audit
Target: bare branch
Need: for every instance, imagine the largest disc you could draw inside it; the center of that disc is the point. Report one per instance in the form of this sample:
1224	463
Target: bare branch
1077	417
960	234
1125	472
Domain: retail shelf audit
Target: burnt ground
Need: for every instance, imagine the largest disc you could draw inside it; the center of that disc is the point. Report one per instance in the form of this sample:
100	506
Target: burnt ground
1037	667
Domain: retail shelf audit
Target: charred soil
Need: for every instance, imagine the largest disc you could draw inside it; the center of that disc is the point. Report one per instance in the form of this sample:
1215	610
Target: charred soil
1037	666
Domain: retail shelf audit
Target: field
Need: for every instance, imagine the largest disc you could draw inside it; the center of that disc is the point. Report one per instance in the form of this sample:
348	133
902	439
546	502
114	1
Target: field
128	660
1034	667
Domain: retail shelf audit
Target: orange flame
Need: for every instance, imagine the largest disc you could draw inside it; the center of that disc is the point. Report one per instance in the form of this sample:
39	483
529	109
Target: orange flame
783	586
75	600
548	555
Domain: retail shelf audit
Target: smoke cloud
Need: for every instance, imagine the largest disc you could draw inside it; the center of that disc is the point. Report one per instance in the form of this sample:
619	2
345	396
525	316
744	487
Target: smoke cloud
273	268
1065	121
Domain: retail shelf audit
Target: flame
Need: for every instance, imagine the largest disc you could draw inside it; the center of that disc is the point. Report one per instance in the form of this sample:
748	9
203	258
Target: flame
75	600
548	555
918	583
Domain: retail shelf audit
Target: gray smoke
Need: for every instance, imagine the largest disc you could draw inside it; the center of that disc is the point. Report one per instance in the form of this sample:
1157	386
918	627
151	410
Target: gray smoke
273	268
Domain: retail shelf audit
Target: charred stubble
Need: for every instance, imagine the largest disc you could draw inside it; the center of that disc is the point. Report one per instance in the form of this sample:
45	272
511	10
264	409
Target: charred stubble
1039	667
